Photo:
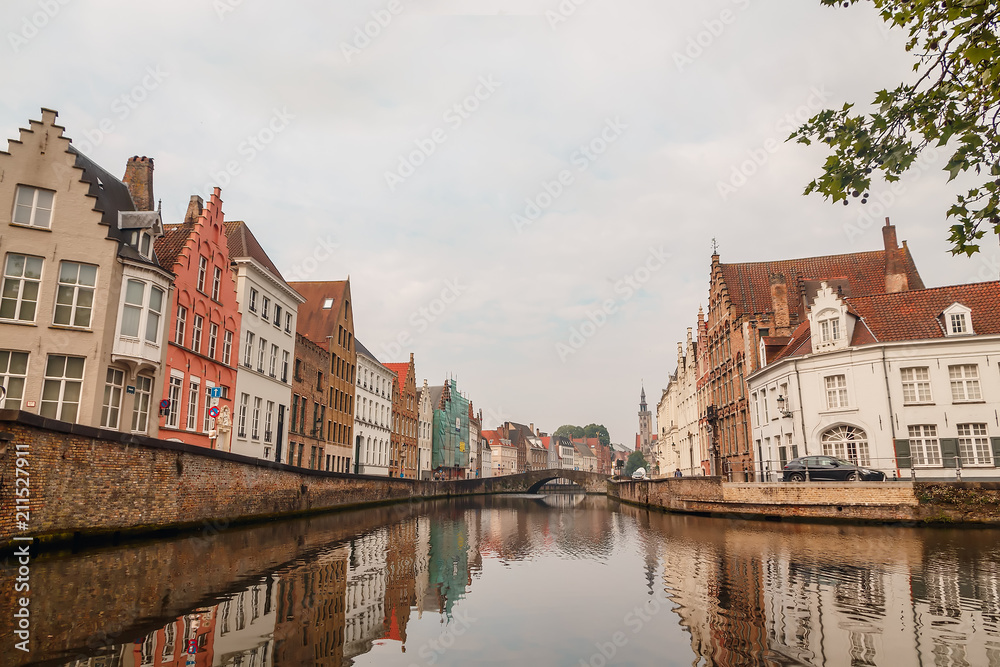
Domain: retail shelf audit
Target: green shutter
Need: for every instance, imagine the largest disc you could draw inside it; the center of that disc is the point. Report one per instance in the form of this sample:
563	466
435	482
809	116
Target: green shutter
902	453
996	451
949	452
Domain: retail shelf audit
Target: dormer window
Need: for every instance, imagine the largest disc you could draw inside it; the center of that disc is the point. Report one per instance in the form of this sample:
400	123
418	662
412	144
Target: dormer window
327	304
829	330
957	320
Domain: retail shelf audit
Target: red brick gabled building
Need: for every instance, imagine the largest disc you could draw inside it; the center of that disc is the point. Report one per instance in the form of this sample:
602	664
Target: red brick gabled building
753	301
327	320
204	302
403	437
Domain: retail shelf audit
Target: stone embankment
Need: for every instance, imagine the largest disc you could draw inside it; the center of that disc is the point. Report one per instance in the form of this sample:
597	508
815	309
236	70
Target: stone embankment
878	502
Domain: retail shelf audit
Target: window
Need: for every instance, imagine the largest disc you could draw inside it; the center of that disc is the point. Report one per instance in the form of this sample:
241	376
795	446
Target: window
153	315
327	304
196	329
277	315
965	383
974	445
181	325
192	408
261	348
213	338
273	366
829	330
13	374
33	206
288	323
174	396
298	369
112	405
62	387
19	297
255	421
924	446
957	322
319	380
268	435
847	442
202	271
227	346
253	300
284	365
916	385
140	407
295	412
216	283
134	307
836	391
248	351
265	308
75	294
208	406
241	421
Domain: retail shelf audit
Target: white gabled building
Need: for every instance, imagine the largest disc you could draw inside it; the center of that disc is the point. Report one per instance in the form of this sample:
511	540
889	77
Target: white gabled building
372	414
904	382
677	416
425	424
269	308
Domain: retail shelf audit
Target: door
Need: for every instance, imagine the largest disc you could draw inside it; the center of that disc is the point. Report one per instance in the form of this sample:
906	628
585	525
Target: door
281	433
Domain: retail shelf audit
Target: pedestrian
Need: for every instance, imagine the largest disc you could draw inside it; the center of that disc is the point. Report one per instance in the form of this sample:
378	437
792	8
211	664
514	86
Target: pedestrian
678	473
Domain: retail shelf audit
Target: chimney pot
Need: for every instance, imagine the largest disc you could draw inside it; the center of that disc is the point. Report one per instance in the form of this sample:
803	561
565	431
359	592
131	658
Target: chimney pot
139	179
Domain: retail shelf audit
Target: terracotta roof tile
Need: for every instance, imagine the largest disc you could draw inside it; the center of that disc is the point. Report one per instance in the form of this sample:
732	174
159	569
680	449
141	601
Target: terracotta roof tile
401	370
315	322
242	243
169	246
915	315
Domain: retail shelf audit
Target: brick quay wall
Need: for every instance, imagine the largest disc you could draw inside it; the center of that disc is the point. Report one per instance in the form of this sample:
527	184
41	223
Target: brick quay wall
878	502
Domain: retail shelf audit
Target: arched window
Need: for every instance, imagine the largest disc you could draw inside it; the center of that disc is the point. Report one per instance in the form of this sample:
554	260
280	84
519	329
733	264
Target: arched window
847	442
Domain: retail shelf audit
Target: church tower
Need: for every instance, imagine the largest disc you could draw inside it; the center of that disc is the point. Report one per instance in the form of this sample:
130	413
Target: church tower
645	426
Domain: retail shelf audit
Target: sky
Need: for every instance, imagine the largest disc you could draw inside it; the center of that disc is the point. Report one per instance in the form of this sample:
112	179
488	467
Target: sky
524	193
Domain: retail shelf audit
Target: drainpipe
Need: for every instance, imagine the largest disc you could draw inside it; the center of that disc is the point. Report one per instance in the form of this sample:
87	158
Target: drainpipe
892	420
802	411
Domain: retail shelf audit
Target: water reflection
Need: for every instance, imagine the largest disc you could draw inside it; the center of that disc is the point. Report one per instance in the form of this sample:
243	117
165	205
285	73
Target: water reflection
560	580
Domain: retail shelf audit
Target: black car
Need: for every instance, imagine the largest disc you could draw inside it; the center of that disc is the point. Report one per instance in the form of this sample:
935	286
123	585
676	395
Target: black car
828	468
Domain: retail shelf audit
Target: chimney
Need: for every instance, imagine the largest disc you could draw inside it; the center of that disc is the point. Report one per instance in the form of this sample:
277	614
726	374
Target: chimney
195	207
139	179
779	301
896	279
531	427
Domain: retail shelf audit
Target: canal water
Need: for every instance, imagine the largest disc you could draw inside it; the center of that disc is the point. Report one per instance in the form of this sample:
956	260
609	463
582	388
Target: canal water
558	580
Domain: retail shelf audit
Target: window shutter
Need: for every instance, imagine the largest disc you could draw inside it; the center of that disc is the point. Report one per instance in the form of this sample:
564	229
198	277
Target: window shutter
996	451
949	452
902	453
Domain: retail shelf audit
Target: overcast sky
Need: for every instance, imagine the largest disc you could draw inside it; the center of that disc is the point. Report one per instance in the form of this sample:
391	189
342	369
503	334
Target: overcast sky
597	148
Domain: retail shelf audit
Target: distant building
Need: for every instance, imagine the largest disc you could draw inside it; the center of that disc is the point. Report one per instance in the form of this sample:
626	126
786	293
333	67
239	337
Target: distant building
899	382
373	414
403	448
646	429
307	437
450	432
425	426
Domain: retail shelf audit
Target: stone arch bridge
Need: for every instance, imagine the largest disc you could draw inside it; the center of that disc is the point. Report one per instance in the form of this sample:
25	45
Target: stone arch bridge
528	482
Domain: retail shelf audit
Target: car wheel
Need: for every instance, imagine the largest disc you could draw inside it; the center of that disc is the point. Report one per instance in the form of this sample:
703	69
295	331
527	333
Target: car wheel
796	477
853	477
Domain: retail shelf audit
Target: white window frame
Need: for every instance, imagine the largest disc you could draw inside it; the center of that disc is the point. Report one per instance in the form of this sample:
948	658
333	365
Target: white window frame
23	282
216	283
34	207
180	325
248	351
209	386
288	323
965	387
241	422
974	444
268	433
255	419
213	339
837	397
252	306
261	350
273	365
174	388
265	308
227	347
61	383
916	381
11	381
197	327
141	404
111	406
202	272
75	291
925	445
284	365
194	387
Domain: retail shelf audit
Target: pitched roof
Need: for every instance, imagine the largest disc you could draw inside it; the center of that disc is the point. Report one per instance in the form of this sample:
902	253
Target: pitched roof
915	315
242	243
401	370
856	273
361	349
169	246
313	321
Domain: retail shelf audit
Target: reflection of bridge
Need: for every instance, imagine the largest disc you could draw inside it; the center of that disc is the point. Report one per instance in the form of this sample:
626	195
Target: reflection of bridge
528	482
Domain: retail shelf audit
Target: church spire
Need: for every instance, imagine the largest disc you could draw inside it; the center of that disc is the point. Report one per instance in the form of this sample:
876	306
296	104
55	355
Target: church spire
642	400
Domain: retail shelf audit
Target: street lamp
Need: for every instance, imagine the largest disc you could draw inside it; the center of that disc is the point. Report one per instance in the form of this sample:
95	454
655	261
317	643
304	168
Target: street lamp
782	401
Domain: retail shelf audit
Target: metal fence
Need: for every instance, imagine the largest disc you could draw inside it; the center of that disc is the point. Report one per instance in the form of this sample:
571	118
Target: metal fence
952	468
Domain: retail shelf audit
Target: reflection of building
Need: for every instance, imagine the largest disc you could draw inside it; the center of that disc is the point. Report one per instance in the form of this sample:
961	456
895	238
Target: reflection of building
449	562
365	592
400	592
188	640
309	629
245	624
